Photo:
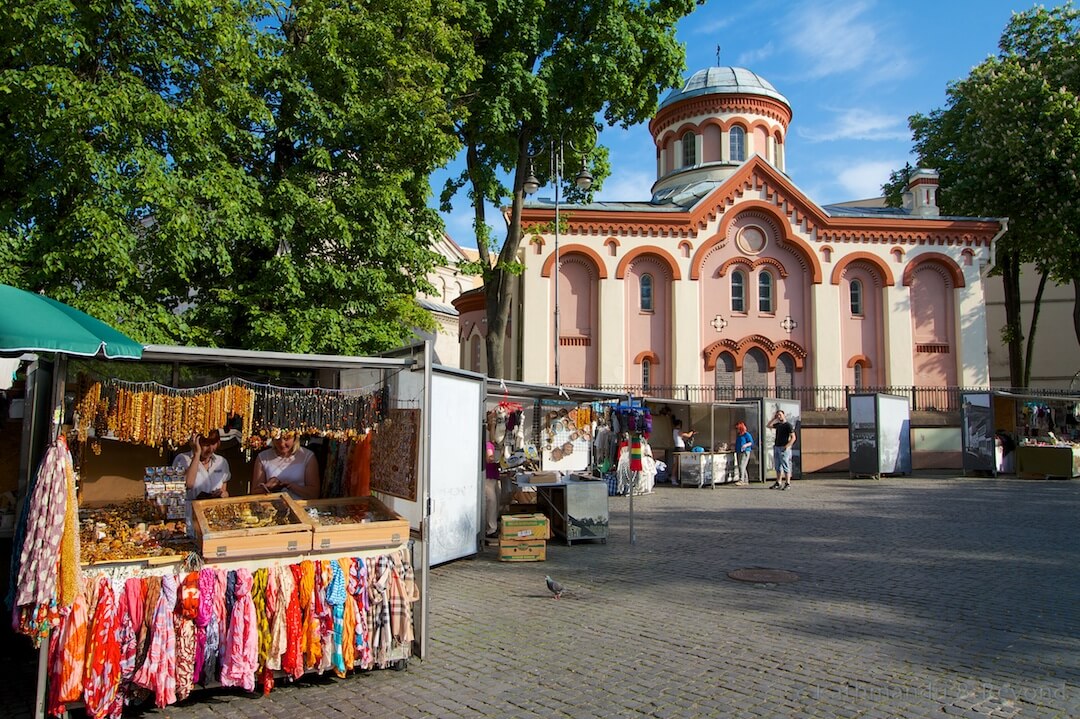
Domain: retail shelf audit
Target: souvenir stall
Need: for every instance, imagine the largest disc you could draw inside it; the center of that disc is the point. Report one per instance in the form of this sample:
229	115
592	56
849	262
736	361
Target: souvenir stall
709	458
1030	435
263	588
879	435
552	444
763	409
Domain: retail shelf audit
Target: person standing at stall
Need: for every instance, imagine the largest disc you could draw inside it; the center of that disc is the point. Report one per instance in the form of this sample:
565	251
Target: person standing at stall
491	492
206	477
785	438
287	467
678	437
744	445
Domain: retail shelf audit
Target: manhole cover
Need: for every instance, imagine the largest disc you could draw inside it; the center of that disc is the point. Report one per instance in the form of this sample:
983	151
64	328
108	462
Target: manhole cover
759	575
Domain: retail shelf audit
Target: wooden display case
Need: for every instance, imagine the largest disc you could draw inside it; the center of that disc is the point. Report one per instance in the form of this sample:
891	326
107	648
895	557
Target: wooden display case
353	523
221	531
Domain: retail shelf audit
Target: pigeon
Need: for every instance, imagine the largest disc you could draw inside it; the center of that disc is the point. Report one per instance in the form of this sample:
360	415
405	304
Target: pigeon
556	588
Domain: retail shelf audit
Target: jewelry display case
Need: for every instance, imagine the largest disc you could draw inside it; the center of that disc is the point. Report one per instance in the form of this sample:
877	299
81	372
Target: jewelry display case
353	523
250	526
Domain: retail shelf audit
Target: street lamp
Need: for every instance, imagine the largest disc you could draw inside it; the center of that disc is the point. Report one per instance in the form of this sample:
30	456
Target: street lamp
583	180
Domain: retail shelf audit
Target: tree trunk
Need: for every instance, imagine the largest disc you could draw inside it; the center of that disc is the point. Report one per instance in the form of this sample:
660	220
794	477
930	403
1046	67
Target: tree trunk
499	290
1012	332
1031	330
1076	309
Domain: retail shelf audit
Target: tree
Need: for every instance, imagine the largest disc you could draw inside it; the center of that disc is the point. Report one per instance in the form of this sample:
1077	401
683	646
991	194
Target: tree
548	70
1008	144
247	173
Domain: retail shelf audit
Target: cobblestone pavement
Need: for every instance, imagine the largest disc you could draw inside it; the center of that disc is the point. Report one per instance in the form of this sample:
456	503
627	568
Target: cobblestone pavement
917	597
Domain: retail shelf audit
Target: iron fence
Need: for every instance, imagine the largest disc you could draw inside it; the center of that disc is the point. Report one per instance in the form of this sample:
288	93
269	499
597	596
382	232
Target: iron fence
821	399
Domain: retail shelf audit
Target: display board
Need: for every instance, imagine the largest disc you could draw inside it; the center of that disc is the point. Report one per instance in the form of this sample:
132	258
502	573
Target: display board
862	435
564	443
766	408
456	466
977	432
893	434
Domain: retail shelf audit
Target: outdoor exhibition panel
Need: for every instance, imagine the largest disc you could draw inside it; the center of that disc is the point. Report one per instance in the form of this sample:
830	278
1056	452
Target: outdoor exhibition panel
368	423
765	438
879	435
996	426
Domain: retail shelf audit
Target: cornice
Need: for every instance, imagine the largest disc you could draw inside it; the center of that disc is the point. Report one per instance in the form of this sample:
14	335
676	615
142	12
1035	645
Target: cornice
715	104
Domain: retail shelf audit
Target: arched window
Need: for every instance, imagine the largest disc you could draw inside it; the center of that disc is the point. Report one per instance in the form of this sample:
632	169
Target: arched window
855	296
755	373
737	143
725	377
765	292
646	374
689	149
785	376
646	293
738	292
858	368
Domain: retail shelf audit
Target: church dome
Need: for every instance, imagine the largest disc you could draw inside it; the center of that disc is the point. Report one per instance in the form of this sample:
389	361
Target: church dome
724	81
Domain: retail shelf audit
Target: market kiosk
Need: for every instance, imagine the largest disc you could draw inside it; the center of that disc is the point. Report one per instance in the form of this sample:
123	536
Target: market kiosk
709	459
361	552
1030	435
554	447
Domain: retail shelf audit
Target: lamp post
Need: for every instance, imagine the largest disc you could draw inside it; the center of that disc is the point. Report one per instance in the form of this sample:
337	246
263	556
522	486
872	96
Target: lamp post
583	180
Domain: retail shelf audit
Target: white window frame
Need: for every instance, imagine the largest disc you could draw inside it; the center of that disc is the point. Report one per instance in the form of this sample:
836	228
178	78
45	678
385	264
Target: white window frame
766	287
855	298
737	140
646	293
738	296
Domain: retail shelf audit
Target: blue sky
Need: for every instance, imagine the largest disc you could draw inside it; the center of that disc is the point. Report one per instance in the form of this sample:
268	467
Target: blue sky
852	70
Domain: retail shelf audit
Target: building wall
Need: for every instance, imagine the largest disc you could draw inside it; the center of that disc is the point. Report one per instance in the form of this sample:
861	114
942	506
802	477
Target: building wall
1056	358
920	323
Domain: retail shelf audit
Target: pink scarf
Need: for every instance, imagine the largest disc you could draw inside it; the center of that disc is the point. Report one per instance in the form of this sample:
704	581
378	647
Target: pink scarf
158	672
241	658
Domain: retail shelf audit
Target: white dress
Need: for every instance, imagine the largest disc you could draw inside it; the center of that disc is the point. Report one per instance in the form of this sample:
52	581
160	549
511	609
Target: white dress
289	470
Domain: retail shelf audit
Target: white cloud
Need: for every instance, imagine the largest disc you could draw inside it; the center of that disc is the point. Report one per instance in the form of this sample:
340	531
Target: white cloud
862	180
753	57
626	185
840	38
859	124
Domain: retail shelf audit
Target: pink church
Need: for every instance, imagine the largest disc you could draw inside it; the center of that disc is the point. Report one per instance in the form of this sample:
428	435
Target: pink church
729	276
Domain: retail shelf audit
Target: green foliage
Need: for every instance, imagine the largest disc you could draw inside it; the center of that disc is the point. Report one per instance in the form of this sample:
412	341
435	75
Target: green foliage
1008	143
243	173
549	70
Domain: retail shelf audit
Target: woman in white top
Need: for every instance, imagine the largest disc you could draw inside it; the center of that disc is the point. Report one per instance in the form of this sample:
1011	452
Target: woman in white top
207	478
287	467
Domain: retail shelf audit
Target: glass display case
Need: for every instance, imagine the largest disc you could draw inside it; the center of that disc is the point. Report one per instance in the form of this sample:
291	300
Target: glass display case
353	523
251	526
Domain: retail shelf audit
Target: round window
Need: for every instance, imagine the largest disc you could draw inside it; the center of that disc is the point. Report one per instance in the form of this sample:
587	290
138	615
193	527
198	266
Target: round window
750	240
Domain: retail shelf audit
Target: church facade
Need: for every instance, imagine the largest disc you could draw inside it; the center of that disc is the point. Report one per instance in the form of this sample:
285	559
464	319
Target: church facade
730	276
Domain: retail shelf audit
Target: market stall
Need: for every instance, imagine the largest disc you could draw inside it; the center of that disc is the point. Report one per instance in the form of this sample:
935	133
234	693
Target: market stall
879	435
709	458
1030	435
554	446
332	583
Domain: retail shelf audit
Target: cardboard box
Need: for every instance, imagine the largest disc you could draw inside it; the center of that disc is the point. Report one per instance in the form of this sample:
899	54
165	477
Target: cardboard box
520	496
543	478
522	527
522	551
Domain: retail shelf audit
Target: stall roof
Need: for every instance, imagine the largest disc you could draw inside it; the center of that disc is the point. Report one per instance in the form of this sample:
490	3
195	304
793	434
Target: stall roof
498	388
213	355
1035	396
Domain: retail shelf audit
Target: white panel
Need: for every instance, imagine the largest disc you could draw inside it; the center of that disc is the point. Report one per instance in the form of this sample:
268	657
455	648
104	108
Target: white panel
456	470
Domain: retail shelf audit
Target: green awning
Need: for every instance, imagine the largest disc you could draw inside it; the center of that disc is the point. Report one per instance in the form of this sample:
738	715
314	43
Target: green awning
35	323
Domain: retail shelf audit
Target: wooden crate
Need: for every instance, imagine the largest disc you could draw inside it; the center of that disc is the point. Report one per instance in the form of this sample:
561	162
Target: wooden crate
293	537
382	528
